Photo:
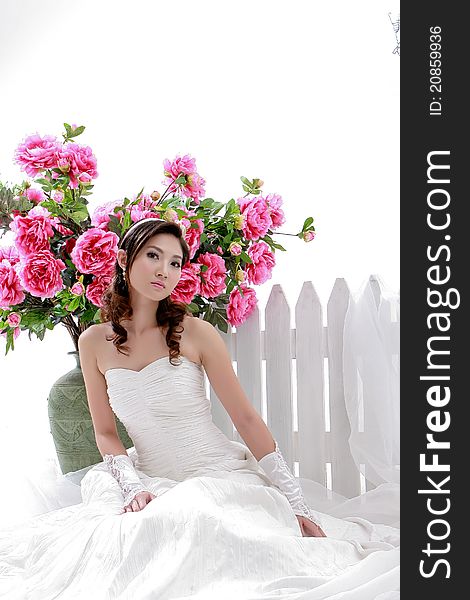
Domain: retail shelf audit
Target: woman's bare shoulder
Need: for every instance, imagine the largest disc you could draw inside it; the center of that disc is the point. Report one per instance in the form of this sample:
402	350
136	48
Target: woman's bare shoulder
95	333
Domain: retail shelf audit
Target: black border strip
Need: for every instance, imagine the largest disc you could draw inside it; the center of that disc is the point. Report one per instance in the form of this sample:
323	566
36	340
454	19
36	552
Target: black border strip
434	258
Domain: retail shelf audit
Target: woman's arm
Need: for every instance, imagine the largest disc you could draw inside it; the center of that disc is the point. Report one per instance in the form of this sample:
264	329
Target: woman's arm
249	424
217	363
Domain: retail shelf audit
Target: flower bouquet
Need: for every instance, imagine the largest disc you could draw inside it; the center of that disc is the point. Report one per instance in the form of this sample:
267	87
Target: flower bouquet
62	258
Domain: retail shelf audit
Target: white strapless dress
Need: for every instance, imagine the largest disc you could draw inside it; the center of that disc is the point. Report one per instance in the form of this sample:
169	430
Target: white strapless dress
216	529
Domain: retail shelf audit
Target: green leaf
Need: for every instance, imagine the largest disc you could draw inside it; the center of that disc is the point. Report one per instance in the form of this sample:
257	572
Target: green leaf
73	305
79	215
245	257
77	131
308	221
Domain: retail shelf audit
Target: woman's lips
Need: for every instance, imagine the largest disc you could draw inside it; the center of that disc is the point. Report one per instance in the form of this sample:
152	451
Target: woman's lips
158	285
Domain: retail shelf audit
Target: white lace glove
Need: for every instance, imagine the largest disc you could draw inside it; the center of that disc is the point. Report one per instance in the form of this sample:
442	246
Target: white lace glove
275	467
123	470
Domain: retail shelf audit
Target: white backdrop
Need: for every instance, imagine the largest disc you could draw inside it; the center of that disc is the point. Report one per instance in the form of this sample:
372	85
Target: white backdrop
304	95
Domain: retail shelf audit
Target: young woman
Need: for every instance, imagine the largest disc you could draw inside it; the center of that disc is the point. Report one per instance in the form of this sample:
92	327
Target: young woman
187	513
130	365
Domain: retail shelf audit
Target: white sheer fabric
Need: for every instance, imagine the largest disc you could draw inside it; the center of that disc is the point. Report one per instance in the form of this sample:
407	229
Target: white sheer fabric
371	375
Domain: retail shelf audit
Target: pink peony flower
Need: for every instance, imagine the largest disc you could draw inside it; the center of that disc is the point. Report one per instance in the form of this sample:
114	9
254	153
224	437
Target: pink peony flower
193	235
95	251
308	236
263	262
35	196
274	202
240	307
36	154
213	280
78	162
33	231
97	288
101	215
11	292
77	289
144	208
138	215
257	220
188	285
14	319
194	186
62	229
40	274
9	253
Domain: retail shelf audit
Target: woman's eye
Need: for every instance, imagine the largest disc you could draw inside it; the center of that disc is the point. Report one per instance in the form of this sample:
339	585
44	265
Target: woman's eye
152	254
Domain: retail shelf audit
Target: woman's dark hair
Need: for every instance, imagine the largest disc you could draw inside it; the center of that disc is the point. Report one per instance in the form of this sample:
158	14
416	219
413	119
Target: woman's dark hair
115	301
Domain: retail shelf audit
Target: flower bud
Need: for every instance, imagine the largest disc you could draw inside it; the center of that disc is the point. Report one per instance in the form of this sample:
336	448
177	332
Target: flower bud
240	275
308	236
63	165
170	215
155	196
14	319
258	183
58	196
235	249
238	221
77	289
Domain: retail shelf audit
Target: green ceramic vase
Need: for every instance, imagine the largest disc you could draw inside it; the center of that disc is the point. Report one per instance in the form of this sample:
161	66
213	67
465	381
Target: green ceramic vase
71	424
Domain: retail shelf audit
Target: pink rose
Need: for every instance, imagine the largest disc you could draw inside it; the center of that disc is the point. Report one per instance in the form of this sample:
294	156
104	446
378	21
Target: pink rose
308	236
14	319
97	288
101	215
240	307
36	154
260	270
33	231
188	285
213	280
35	196
77	289
40	274
78	162
274	202
11	292
257	220
95	251
10	253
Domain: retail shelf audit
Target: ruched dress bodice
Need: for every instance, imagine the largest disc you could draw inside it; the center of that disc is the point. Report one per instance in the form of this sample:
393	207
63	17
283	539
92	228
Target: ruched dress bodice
167	414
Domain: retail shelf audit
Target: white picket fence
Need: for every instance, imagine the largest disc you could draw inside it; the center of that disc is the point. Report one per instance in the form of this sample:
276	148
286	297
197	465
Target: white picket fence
320	444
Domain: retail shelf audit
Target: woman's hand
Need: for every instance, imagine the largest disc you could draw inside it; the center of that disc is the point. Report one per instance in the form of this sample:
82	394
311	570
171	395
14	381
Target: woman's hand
308	528
140	501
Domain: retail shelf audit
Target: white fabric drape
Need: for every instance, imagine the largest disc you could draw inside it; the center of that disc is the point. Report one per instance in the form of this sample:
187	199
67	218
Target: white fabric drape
371	374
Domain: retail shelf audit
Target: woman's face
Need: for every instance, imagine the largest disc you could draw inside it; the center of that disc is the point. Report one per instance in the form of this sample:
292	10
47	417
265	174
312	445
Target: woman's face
160	260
